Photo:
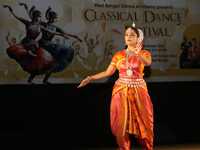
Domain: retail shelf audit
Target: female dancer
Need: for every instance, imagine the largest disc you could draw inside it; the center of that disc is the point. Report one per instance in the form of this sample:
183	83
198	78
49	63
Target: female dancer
131	108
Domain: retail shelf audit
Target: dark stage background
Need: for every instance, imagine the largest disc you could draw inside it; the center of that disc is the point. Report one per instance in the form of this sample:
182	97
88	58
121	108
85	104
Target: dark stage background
66	116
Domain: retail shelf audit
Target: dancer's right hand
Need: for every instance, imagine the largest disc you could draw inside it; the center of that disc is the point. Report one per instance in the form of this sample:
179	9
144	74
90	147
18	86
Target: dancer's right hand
7	6
85	81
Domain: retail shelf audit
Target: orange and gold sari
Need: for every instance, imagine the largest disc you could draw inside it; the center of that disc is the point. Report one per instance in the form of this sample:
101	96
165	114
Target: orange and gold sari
131	108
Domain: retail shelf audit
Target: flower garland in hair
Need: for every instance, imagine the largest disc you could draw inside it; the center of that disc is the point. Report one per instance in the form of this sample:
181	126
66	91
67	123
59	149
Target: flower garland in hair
139	45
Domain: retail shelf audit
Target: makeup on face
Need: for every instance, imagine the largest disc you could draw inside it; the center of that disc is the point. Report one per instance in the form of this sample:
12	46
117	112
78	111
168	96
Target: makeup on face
130	36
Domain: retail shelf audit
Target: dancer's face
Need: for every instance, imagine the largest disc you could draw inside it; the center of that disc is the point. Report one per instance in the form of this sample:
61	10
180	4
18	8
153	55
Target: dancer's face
37	19
52	20
130	37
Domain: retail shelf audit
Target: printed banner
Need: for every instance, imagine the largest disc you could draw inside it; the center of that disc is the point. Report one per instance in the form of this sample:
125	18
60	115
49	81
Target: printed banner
63	41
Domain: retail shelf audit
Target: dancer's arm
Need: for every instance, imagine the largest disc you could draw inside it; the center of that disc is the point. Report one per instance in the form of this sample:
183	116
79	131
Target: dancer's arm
108	72
145	57
25	7
18	18
66	35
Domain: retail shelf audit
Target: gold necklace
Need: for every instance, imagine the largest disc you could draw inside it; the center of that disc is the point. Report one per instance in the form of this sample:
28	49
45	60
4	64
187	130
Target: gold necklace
129	71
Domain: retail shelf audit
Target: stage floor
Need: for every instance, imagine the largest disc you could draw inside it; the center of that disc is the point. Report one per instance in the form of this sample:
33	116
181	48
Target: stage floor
171	147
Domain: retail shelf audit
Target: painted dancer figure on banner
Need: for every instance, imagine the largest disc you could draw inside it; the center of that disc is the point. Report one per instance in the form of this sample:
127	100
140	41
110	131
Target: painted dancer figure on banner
194	54
33	29
106	56
184	56
131	110
92	44
190	54
37	54
62	54
27	53
80	60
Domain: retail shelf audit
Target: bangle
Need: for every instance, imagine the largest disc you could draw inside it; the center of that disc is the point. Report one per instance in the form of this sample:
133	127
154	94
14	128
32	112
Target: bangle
89	78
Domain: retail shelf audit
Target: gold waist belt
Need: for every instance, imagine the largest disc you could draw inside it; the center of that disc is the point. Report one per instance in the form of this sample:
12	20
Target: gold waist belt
131	82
